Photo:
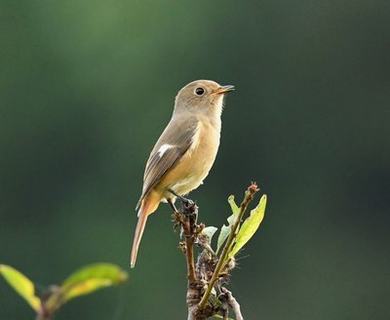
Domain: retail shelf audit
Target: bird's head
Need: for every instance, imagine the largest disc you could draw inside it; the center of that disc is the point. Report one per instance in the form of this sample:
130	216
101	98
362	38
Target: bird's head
202	96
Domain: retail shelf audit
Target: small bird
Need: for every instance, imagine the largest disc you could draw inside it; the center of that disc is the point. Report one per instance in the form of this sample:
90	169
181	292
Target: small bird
185	152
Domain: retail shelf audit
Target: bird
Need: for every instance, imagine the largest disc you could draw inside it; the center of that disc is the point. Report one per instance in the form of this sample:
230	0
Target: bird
185	152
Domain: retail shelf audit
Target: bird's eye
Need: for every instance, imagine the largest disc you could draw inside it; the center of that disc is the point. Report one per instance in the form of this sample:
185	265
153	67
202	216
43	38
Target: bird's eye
199	91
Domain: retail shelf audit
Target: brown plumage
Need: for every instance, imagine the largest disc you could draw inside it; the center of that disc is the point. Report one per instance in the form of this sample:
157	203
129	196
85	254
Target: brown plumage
185	152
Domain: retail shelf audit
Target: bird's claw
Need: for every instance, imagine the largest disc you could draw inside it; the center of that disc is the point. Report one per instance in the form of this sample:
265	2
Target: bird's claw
187	203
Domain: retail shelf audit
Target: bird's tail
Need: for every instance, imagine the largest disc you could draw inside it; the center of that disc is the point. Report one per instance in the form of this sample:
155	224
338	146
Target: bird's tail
148	205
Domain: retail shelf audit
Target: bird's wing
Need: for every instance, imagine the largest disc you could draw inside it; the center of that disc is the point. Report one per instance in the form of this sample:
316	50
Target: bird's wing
176	139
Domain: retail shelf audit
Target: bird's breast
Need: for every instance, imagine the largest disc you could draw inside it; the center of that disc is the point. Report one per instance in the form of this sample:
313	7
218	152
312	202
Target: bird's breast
196	163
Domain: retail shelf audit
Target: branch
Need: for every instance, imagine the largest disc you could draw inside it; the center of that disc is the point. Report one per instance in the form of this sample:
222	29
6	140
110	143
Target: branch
187	219
211	271
232	302
249	193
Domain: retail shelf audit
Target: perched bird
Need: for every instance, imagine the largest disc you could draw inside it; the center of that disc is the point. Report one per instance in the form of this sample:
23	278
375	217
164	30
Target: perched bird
185	152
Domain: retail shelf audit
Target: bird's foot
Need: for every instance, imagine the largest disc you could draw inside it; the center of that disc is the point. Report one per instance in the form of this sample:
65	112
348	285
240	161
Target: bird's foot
187	204
189	208
186	217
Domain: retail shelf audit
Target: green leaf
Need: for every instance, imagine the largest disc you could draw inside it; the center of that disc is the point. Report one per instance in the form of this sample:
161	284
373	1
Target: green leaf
249	227
22	285
91	278
209	232
233	205
225	230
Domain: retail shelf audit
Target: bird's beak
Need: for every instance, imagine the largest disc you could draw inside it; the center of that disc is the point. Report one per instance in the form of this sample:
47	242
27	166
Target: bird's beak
224	89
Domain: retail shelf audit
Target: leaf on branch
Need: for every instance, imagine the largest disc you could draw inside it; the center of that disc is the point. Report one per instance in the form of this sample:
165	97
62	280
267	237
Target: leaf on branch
249	227
22	285
225	230
233	206
209	232
86	280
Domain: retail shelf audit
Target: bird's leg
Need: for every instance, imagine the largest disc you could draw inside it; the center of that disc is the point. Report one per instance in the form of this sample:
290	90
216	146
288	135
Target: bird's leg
188	216
189	209
185	201
172	205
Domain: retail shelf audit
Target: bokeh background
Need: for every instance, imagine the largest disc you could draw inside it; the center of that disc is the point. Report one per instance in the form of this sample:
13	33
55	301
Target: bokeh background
86	87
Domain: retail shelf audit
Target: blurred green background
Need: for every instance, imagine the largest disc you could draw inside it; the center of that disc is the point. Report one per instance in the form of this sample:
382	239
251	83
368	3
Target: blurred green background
86	87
